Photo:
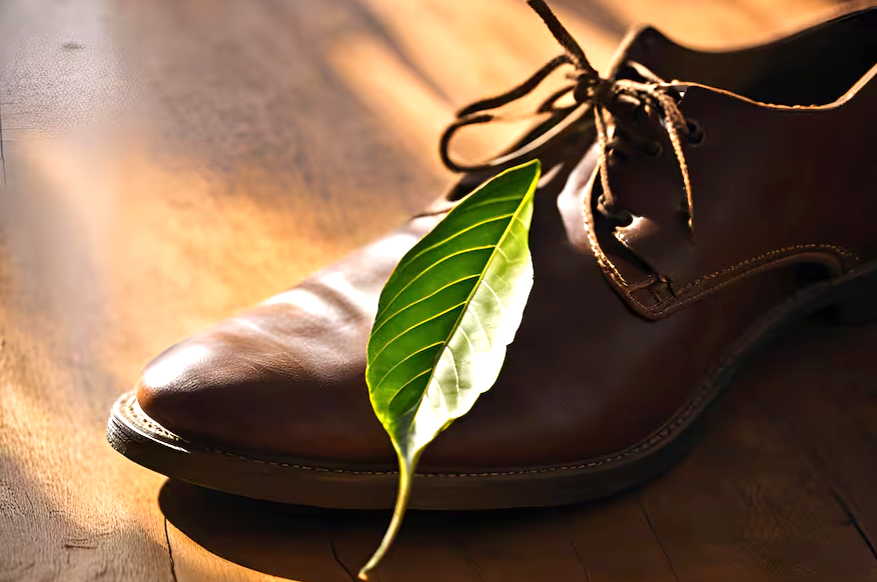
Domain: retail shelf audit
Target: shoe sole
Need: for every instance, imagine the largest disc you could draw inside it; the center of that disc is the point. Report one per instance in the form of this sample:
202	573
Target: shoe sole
850	299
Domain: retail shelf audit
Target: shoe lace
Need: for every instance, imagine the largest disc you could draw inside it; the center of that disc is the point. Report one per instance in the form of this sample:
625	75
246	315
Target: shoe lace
615	103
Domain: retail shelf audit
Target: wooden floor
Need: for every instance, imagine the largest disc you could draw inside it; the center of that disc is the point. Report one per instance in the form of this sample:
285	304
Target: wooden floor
169	162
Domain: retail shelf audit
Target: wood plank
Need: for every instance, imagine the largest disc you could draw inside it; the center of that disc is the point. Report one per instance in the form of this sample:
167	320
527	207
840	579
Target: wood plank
193	563
285	542
581	544
617	544
747	503
69	509
589	543
833	415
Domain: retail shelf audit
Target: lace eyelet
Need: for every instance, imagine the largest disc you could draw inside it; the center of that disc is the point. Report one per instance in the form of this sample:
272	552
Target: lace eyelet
623	218
655	152
696	133
619	217
616	154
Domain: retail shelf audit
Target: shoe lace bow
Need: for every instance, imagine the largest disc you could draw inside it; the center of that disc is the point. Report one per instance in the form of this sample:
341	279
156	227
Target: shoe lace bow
616	105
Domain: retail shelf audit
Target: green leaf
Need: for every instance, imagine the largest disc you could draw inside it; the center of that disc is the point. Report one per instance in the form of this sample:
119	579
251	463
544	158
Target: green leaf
444	320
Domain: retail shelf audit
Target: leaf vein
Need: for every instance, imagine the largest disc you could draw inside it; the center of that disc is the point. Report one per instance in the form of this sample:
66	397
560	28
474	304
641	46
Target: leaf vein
405	385
483	329
387	318
426	270
498	300
468	341
454	368
418	324
494	201
403	360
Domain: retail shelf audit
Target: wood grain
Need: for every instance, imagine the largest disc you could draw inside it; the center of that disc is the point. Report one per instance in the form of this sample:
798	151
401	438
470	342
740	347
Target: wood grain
748	505
168	163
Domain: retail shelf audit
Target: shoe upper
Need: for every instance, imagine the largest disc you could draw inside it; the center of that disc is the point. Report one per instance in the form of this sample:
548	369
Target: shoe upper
626	320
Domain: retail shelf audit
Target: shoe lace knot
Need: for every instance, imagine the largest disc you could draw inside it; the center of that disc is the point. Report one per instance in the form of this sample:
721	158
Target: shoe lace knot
618	107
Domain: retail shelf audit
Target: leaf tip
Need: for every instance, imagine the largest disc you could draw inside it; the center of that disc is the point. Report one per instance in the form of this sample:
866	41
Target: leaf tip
534	163
534	166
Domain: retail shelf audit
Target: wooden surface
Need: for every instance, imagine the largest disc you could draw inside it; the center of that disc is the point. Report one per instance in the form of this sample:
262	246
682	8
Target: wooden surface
169	162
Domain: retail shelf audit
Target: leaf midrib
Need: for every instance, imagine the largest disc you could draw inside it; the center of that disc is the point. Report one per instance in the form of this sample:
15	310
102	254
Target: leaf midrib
388	318
514	217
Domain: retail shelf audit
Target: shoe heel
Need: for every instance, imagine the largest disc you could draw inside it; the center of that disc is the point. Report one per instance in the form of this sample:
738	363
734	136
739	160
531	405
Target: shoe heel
856	302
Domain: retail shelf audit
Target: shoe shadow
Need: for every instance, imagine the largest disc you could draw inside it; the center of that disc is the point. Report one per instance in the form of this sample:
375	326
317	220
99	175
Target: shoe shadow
282	540
317	545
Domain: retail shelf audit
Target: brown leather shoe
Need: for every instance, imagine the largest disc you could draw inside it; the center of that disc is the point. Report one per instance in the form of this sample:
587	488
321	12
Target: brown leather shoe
713	219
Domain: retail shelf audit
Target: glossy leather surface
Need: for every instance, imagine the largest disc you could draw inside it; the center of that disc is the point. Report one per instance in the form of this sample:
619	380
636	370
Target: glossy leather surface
587	375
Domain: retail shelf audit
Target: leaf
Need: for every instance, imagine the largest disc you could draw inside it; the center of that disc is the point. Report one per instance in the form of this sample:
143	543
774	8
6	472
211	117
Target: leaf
444	320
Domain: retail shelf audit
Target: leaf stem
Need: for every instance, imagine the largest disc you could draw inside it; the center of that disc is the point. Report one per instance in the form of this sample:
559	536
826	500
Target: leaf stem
406	467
